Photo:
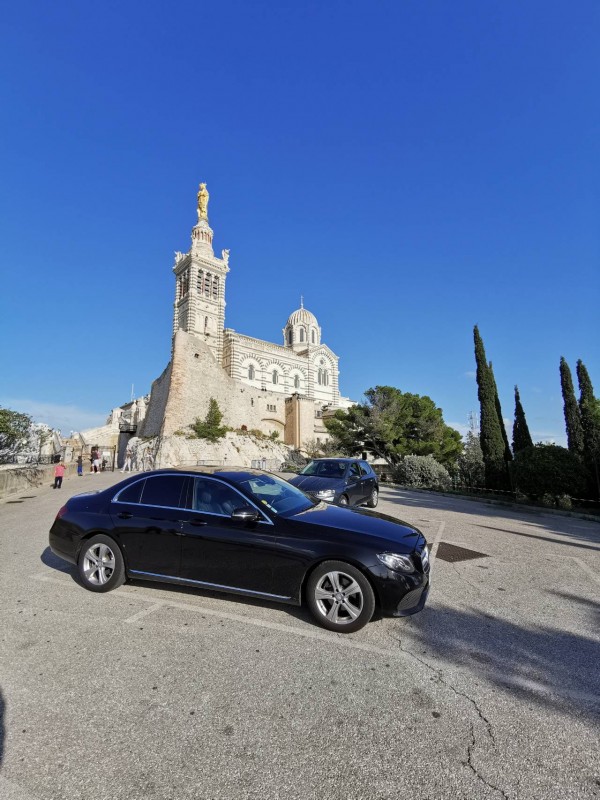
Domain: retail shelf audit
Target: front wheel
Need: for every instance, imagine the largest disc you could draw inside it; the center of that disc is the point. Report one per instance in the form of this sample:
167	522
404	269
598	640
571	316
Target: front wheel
373	500
340	597
101	566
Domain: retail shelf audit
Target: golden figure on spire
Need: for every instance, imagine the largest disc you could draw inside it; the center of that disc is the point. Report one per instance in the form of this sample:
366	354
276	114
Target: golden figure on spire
203	197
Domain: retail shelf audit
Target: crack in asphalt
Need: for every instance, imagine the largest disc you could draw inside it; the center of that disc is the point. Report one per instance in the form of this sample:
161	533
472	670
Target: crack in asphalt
473	768
488	725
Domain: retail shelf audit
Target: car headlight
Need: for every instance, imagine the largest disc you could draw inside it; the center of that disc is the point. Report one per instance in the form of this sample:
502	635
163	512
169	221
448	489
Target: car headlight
397	562
325	494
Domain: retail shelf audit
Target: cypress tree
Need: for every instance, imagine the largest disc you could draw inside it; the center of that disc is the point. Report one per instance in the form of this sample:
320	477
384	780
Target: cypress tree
589	407
572	412
521	436
507	450
490	437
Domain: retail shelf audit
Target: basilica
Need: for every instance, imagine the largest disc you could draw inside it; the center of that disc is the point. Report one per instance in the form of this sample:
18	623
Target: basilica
285	388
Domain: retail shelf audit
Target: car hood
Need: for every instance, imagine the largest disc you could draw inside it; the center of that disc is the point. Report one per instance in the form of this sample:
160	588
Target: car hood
314	483
366	523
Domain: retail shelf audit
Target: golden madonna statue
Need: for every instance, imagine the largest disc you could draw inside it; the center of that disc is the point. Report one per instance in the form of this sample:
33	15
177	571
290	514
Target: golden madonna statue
203	197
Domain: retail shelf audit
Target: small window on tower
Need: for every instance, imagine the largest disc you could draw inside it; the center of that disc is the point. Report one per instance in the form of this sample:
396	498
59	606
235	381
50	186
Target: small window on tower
200	282
313	337
215	288
275	376
207	283
301	334
296	382
290	336
251	372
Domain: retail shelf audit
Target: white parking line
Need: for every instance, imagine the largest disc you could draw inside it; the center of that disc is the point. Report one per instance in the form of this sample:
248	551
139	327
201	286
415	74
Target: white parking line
593	575
145	611
434	547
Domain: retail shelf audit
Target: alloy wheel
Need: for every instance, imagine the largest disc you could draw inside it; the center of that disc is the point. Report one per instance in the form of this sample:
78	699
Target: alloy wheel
98	564
339	598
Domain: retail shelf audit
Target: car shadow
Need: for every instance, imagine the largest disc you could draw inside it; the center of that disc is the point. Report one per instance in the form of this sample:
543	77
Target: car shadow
2	727
54	562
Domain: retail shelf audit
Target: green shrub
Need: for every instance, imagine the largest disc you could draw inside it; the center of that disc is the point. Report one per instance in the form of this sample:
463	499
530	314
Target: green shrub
422	472
547	471
210	427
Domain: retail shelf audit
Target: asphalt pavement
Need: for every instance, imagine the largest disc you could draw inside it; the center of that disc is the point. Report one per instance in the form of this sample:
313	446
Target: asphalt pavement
493	691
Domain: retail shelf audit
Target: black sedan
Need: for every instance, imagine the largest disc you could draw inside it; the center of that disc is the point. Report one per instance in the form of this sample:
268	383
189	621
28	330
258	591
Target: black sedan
344	481
245	532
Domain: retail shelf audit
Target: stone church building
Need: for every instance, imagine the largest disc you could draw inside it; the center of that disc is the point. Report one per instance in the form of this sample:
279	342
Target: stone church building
259	385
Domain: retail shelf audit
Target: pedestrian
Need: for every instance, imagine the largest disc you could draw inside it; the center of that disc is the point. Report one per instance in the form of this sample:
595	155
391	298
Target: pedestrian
80	466
127	464
59	471
95	461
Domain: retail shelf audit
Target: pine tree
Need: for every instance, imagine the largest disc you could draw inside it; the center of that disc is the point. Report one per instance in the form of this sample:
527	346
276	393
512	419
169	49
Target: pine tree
491	439
521	436
589	407
571	410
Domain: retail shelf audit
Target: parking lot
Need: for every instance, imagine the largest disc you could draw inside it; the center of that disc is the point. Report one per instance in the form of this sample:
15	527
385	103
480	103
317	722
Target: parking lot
493	691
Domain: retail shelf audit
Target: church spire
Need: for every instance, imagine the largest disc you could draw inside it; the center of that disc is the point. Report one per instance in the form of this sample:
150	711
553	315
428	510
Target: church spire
202	234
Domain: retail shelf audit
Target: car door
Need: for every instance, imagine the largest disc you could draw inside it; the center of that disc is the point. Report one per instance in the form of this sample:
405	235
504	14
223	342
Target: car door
223	552
367	479
147	519
354	488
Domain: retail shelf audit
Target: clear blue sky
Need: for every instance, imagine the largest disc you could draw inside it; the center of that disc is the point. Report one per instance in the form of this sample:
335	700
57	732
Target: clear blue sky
410	167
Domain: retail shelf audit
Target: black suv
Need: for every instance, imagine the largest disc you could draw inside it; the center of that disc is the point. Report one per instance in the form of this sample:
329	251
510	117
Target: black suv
345	481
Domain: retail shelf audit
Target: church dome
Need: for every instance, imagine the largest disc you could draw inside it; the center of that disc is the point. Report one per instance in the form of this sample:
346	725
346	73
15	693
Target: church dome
301	330
302	316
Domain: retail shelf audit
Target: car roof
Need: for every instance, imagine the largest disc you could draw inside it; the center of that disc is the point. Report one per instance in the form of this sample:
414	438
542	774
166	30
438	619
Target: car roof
233	473
344	460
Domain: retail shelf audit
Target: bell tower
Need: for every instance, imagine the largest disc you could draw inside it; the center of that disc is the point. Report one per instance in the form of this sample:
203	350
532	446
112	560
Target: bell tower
199	306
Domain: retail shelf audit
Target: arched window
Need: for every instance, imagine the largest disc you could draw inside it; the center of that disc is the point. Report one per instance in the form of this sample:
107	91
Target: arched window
275	376
296	382
313	337
290	336
251	372
301	334
323	377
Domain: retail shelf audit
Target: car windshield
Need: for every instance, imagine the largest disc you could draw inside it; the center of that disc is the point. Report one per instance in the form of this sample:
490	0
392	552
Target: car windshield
325	469
277	495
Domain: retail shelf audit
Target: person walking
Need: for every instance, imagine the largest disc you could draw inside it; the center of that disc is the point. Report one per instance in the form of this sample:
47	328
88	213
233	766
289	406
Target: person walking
59	471
80	466
127	464
96	461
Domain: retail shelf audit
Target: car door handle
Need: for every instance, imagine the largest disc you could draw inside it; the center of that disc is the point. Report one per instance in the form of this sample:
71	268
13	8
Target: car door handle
197	523
125	515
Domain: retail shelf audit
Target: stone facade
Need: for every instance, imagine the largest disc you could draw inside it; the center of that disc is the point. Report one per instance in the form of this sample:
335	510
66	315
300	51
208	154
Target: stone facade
258	385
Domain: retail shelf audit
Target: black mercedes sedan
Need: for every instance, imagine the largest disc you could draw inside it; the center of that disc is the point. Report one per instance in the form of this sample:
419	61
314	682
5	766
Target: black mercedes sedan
344	481
245	532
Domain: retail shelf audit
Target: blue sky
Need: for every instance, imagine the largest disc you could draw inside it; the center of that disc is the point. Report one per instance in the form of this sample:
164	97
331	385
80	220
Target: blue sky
412	168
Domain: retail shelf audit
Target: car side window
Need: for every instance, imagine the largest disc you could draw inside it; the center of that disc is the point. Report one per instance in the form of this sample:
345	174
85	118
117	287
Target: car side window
365	469
354	471
213	497
131	494
164	490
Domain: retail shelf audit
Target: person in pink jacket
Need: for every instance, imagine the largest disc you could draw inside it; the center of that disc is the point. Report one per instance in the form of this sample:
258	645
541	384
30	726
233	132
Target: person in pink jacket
59	471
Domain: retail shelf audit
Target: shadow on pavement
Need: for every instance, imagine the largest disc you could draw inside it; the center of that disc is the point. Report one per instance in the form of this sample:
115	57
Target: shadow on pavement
551	668
54	562
2	729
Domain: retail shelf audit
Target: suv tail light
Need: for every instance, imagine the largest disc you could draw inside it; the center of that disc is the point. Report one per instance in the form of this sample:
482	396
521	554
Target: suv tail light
61	512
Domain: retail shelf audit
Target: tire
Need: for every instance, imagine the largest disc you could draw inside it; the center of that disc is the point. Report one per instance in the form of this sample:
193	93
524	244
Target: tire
343	501
340	597
100	563
373	500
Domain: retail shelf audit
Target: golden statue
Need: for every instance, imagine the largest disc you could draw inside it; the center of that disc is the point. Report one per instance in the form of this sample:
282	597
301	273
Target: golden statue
203	196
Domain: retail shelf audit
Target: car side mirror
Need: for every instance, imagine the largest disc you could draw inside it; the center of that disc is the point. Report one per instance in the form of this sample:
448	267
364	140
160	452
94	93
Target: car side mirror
352	479
245	514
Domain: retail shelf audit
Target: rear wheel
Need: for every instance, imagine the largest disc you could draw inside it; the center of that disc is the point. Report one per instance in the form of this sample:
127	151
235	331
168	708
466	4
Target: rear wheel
101	566
343	501
373	500
340	597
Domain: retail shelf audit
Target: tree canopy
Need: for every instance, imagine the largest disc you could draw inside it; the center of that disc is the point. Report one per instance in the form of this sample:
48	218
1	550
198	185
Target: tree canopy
15	428
392	424
210	428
